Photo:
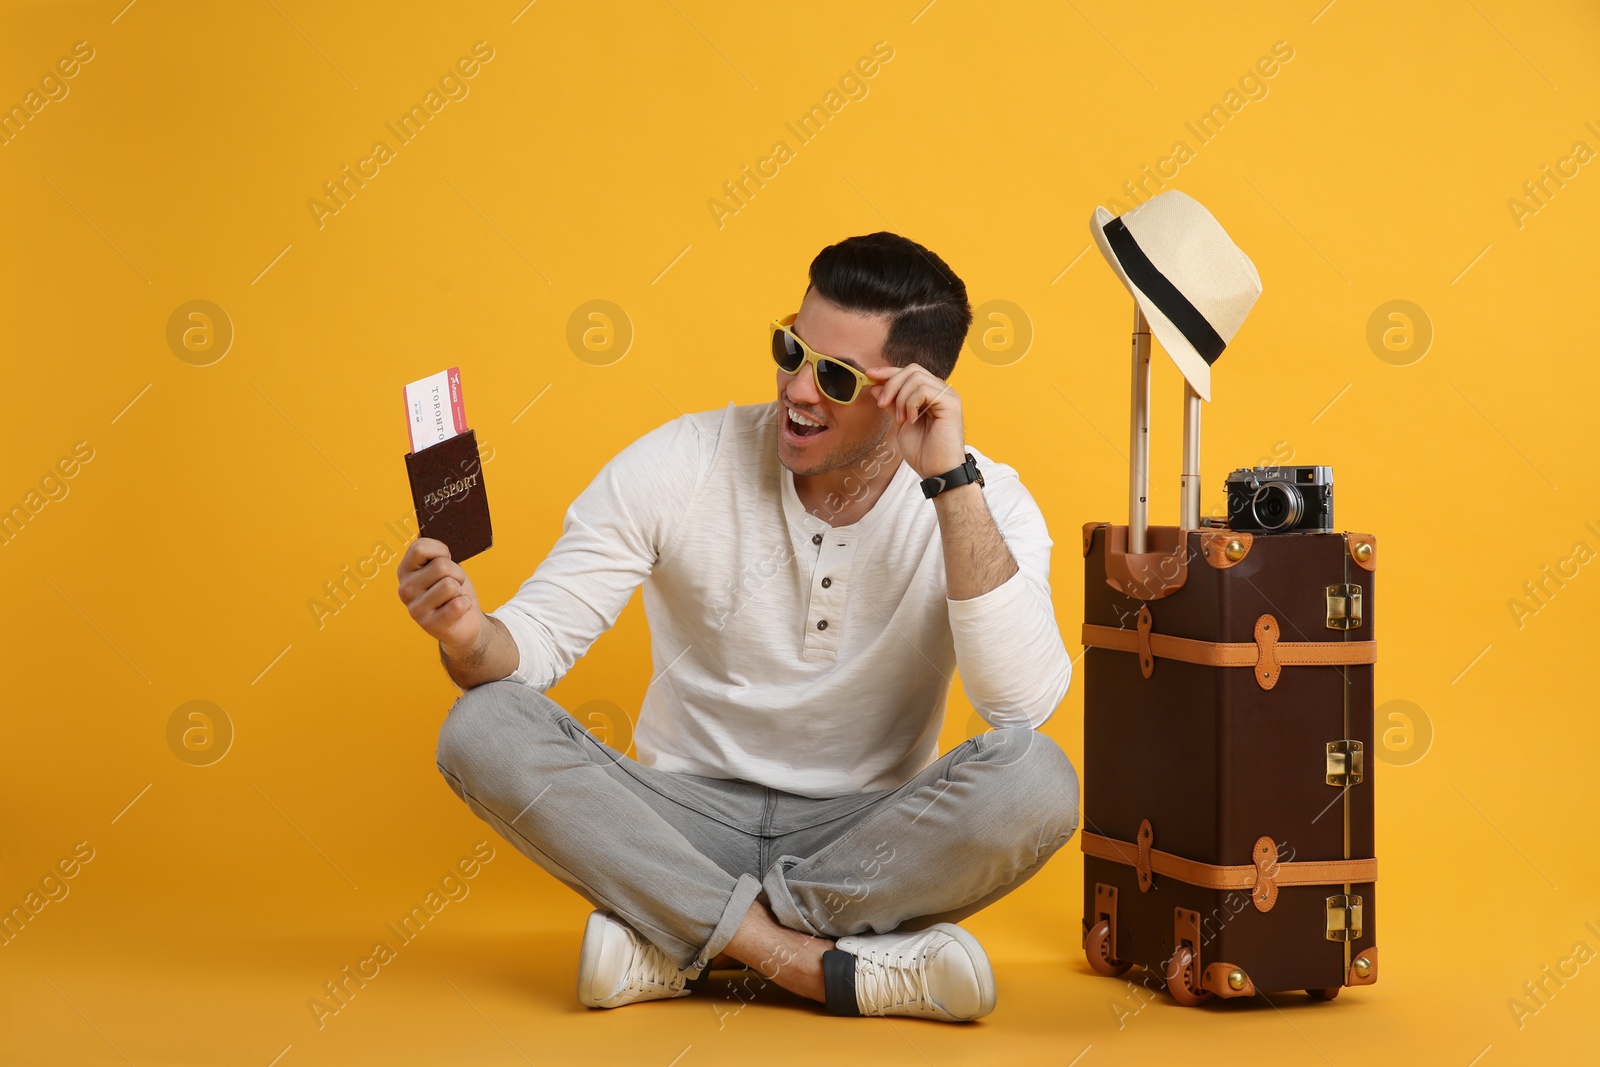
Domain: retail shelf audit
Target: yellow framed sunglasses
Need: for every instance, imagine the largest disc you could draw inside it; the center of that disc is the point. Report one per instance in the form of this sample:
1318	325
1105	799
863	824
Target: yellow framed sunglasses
837	380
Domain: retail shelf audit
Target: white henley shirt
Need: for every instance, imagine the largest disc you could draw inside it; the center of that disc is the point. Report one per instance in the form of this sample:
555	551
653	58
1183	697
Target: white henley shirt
810	658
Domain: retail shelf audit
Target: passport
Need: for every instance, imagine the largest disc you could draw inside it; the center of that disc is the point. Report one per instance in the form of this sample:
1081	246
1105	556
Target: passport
447	477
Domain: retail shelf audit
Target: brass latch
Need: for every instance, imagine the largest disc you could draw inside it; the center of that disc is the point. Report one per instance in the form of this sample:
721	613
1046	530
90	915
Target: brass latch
1344	917
1344	607
1346	763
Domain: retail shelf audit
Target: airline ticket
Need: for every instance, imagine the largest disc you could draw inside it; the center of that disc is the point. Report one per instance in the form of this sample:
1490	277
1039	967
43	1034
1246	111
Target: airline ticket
434	410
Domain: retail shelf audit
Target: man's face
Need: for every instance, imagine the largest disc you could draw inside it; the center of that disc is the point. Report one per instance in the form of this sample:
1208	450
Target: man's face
849	431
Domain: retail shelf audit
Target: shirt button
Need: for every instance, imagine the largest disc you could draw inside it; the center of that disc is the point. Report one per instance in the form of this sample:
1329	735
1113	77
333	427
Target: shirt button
826	582
822	624
816	539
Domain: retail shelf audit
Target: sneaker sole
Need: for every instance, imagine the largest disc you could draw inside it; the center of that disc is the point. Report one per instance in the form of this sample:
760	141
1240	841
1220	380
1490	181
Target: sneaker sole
980	964
594	933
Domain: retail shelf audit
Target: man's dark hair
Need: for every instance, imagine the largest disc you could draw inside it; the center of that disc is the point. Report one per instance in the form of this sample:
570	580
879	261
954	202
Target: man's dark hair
884	273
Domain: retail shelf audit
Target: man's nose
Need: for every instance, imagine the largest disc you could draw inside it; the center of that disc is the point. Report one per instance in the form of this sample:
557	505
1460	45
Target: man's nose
803	386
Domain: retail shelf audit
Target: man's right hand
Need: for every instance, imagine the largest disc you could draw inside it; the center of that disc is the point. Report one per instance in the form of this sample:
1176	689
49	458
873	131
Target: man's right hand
440	597
476	648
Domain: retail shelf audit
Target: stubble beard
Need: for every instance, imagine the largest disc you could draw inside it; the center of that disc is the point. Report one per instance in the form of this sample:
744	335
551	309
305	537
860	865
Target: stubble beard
841	455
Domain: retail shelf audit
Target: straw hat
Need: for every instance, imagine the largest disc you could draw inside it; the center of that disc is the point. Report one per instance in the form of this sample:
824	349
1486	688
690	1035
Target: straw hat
1193	283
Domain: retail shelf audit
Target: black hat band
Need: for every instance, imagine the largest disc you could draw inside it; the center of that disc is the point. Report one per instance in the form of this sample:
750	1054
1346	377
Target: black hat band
1163	294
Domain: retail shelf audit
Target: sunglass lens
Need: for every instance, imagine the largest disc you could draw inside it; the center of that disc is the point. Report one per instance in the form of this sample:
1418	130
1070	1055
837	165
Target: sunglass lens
786	352
836	381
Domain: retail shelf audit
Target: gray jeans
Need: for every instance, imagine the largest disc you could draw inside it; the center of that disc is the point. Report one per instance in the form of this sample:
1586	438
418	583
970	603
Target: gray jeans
681	858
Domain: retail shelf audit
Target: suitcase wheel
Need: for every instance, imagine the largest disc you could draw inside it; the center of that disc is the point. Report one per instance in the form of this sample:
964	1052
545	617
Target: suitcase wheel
1097	946
1181	979
1323	994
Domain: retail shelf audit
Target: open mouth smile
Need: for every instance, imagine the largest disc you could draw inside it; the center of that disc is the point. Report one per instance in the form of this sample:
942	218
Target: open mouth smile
799	427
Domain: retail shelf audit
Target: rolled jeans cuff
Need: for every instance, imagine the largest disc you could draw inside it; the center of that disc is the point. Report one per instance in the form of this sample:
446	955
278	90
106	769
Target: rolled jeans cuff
744	894
781	901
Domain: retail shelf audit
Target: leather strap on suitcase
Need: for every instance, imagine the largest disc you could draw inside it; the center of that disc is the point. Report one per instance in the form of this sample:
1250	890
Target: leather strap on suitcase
1262	878
1266	653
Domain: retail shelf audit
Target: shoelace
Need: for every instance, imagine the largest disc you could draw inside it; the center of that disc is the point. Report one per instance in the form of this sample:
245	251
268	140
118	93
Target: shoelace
887	981
653	970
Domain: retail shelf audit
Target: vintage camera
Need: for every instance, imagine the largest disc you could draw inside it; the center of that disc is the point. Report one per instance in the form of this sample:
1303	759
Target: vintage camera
1280	499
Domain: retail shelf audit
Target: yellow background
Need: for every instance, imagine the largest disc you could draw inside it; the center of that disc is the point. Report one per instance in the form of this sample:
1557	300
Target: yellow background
180	564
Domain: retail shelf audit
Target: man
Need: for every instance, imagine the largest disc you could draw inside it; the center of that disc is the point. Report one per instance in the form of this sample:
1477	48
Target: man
807	602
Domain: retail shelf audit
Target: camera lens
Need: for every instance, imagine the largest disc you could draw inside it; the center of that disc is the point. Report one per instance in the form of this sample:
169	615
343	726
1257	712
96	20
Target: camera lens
1277	506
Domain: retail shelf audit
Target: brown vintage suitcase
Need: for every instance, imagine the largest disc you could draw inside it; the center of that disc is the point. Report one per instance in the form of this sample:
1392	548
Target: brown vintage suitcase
1228	711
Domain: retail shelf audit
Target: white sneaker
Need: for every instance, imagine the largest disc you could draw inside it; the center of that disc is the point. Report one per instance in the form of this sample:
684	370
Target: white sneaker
937	973
616	966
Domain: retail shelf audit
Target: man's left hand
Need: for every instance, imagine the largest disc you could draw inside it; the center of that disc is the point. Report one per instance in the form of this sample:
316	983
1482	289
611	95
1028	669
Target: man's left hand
927	416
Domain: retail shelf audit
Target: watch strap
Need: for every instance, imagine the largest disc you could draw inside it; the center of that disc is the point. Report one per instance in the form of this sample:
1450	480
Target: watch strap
962	475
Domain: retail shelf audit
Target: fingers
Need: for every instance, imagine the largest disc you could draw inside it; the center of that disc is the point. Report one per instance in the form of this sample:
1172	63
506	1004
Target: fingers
415	585
422	550
916	397
443	592
436	591
895	383
442	567
911	388
438	621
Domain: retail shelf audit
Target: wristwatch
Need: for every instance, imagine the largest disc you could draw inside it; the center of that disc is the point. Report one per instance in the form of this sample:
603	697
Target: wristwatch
967	472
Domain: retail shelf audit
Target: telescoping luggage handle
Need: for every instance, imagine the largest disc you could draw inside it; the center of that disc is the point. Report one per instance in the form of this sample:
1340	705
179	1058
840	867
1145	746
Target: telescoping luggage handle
1139	468
1143	561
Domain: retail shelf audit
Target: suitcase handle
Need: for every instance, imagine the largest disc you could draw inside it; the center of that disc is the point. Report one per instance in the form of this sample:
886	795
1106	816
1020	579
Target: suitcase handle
1141	561
1139	451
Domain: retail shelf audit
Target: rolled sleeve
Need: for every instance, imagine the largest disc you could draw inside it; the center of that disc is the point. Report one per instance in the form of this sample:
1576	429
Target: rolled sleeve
533	647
